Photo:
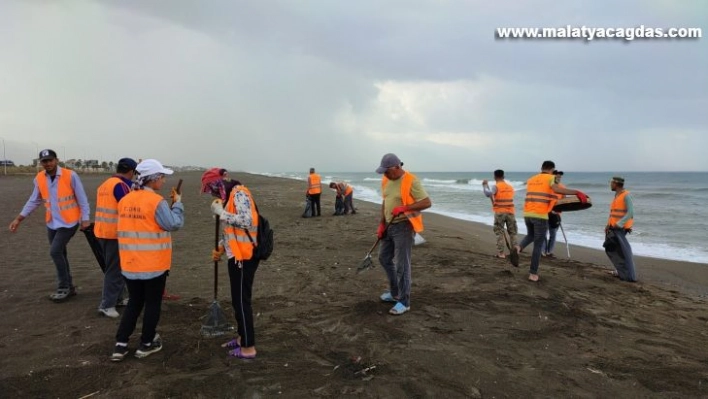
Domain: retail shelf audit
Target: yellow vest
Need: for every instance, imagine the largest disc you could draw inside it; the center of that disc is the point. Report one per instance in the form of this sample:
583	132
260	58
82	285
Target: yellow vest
414	217
142	244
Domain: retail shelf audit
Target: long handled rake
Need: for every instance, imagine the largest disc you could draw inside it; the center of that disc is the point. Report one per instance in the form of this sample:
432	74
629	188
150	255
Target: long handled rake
216	323
367	263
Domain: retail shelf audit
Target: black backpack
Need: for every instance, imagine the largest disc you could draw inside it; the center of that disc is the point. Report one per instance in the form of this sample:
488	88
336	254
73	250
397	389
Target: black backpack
264	236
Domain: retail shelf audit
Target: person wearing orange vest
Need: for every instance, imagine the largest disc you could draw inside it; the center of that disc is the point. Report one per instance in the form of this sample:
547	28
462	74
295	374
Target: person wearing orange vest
314	191
619	224
541	196
346	193
554	220
67	209
145	221
240	237
403	200
105	228
502	195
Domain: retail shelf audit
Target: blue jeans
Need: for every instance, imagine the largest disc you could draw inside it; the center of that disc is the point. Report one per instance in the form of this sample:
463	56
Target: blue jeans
551	239
536	229
113	282
395	257
58	240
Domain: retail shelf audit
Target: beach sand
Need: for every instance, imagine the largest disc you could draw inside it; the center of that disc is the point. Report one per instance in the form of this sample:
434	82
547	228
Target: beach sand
477	327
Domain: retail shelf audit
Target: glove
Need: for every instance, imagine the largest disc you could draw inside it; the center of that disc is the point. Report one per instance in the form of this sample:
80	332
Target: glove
176	197
216	254
399	210
582	197
381	231
217	207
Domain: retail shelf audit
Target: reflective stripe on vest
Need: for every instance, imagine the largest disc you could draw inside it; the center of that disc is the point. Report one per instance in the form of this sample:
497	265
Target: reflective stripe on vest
66	200
315	186
504	198
414	217
106	225
618	210
237	239
540	198
142	244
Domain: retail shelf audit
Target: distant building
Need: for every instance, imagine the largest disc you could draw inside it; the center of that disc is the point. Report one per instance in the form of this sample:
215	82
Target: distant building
6	162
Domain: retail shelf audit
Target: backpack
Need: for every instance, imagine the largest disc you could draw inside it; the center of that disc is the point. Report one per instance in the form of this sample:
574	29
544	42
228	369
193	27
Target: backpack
264	236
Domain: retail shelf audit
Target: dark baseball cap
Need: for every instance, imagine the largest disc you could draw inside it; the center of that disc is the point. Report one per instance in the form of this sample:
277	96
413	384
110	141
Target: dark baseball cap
388	161
127	164
47	154
558	172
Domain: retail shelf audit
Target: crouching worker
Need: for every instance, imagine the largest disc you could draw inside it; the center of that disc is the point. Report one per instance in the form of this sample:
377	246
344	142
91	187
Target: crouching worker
240	220
145	221
345	192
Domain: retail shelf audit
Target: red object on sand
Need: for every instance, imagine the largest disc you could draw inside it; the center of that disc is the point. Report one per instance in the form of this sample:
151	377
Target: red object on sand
169	297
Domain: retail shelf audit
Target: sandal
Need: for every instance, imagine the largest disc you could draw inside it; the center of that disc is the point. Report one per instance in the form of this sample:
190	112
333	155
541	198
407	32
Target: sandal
237	353
63	294
233	344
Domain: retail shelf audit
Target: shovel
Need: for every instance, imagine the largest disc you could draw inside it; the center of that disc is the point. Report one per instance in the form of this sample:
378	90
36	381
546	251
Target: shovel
216	324
367	263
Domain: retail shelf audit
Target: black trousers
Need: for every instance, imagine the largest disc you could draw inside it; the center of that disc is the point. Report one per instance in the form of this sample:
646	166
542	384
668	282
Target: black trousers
315	199
241	293
143	293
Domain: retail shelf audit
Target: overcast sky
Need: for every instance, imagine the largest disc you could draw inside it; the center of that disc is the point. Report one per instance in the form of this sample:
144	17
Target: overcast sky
274	86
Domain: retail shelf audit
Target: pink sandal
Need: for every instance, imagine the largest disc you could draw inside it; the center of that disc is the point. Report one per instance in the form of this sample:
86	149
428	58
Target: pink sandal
237	353
231	344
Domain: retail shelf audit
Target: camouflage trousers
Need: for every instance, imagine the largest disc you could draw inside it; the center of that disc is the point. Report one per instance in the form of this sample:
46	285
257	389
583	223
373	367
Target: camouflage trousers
505	221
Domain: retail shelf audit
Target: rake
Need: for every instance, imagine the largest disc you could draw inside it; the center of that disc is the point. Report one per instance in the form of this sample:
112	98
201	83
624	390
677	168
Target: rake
367	263
216	323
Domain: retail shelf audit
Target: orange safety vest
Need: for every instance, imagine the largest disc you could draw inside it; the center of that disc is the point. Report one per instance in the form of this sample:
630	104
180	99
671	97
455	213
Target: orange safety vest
237	239
66	198
143	245
618	210
504	198
106	225
344	189
314	187
540	198
414	217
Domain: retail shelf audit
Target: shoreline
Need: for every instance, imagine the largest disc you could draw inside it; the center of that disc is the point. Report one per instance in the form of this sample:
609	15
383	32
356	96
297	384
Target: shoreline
688	277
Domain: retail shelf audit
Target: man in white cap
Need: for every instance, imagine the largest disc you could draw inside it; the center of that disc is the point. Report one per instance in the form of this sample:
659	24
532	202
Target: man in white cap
67	207
403	200
145	221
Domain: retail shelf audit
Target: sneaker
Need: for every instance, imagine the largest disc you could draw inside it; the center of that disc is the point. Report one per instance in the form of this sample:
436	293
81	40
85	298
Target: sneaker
387	297
146	350
109	312
119	352
122	302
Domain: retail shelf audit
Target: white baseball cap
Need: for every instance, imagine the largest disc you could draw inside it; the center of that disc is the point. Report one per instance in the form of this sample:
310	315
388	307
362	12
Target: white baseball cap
152	166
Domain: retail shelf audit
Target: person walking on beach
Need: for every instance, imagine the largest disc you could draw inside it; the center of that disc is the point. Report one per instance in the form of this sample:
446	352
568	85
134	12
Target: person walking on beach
619	224
314	190
541	191
554	220
240	237
346	193
67	208
106	230
145	221
502	195
403	200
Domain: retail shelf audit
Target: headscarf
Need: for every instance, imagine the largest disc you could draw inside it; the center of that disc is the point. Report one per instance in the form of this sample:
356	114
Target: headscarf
143	180
213	184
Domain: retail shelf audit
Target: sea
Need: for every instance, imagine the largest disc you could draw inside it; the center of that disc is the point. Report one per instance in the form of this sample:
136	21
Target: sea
670	208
